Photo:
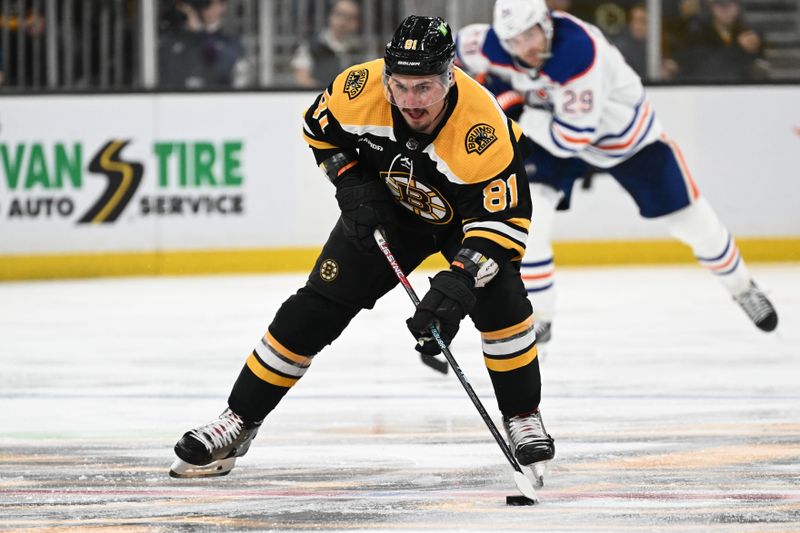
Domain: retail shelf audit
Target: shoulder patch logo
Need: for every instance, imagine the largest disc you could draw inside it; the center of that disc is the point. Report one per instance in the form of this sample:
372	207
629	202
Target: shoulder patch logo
355	82
479	138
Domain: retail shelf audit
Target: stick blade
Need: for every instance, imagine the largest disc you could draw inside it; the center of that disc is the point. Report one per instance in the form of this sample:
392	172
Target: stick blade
434	363
525	487
519	500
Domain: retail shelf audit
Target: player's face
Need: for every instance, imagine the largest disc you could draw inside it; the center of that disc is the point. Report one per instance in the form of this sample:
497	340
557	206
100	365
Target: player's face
420	99
529	46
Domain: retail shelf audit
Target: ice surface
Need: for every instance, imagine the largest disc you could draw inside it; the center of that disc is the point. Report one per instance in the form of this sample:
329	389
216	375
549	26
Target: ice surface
671	412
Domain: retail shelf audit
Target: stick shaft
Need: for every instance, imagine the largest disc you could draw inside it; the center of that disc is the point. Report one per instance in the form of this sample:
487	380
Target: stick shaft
384	246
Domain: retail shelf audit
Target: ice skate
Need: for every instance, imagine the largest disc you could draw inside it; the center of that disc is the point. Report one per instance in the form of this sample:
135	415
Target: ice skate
543	331
532	446
758	307
212	449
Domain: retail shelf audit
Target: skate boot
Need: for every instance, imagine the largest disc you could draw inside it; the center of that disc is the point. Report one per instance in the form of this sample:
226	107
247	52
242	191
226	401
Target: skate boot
212	449
543	332
530	442
758	308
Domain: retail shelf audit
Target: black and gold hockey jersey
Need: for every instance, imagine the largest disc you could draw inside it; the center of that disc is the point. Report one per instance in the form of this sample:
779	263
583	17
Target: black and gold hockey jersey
467	172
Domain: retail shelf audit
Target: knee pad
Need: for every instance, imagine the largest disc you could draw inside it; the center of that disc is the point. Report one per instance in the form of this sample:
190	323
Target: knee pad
698	226
544	199
308	321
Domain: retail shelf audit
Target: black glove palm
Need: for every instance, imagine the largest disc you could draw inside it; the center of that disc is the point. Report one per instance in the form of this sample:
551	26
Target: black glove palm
448	301
364	206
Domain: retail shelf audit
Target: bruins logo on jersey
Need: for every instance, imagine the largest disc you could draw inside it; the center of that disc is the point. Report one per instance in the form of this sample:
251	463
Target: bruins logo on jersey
419	198
329	270
355	82
479	138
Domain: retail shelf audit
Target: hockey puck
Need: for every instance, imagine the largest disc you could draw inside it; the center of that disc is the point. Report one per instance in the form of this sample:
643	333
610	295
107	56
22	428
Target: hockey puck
519	500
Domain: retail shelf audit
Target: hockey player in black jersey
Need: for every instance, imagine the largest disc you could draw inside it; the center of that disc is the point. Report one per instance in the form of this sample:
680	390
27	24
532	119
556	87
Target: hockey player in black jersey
412	144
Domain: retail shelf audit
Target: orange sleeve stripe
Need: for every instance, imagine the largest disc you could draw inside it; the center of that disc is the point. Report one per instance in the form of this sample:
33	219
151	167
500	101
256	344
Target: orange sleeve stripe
634	135
695	191
509	331
507	365
509	99
344	169
267	375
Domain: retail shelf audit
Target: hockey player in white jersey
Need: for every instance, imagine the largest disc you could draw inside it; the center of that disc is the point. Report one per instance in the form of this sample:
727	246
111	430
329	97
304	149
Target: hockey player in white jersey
584	109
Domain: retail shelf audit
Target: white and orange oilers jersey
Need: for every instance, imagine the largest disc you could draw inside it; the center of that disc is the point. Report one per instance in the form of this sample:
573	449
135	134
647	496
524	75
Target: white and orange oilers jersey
586	101
467	174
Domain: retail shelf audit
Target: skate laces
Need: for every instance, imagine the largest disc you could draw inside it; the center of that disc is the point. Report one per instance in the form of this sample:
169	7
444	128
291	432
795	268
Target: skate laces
755	303
220	432
524	429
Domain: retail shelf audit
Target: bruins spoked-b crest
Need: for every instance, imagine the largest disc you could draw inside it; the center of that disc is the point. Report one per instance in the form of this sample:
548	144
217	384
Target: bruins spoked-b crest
419	198
329	270
355	82
479	138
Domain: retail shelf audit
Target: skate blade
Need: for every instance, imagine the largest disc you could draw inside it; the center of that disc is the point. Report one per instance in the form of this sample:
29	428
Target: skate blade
536	472
182	469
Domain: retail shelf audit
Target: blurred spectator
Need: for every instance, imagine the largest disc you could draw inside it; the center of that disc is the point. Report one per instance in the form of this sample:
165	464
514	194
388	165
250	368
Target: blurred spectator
633	41
2	75
633	45
25	17
317	62
677	31
724	47
194	53
559	5
608	15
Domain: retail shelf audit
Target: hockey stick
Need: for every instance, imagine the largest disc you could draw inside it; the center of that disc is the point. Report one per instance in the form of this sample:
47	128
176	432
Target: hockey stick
434	363
523	483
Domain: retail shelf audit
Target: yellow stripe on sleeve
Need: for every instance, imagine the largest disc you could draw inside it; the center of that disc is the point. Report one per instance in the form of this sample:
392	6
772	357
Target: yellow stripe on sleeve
322	145
498	239
524	223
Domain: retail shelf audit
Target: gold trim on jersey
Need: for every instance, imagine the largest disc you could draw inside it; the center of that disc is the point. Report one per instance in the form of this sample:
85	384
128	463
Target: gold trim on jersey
524	223
322	145
476	111
499	239
366	108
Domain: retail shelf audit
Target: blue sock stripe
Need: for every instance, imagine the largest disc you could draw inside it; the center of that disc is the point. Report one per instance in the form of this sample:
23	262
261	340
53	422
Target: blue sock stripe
537	263
720	256
539	289
735	264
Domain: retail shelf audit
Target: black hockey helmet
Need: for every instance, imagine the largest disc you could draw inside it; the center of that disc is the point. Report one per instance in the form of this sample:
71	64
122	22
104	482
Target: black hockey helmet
420	46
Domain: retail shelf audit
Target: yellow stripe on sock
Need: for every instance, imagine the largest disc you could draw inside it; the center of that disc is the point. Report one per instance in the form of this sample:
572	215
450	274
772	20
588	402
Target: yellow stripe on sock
267	375
510	331
506	365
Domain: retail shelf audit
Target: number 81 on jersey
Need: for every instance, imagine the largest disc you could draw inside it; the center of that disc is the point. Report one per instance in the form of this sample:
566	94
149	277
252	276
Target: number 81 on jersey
500	194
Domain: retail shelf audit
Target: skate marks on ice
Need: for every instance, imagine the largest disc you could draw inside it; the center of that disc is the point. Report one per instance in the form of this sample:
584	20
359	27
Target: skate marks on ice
368	472
671	416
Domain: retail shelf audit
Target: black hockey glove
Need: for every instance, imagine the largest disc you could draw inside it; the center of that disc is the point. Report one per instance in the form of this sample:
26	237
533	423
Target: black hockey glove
448	301
365	206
